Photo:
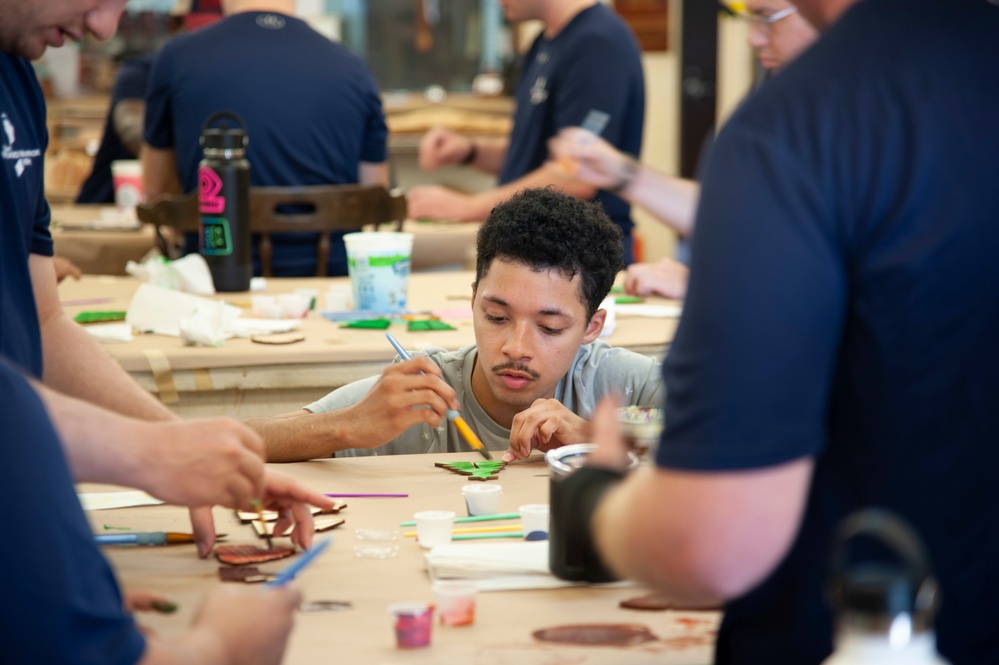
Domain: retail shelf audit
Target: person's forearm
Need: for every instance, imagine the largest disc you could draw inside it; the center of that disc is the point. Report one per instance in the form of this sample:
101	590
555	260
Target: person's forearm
75	364
546	175
671	200
702	536
660	563
91	438
489	154
300	436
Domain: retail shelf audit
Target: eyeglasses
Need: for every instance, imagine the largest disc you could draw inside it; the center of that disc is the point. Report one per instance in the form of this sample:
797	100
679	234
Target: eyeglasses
766	21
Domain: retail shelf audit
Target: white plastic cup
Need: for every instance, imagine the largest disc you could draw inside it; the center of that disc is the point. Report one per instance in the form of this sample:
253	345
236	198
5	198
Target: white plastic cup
433	527
378	264
126	178
293	305
534	517
265	307
455	603
482	498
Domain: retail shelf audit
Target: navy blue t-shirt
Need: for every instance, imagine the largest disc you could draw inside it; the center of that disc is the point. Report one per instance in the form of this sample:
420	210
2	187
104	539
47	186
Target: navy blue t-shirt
130	84
844	305
24	213
312	110
61	603
594	63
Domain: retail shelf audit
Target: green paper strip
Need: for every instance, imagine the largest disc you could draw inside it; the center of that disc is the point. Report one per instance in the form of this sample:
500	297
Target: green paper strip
483	536
475	518
370	324
99	317
628	300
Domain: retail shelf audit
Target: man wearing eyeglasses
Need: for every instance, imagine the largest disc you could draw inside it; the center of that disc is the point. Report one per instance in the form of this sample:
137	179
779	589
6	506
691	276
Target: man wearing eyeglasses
837	345
778	34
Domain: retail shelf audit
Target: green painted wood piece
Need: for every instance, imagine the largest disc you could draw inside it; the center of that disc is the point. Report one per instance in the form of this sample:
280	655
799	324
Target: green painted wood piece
368	324
99	317
429	324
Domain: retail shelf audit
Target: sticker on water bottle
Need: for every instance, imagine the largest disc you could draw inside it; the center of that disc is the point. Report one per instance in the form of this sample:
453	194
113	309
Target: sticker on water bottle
215	237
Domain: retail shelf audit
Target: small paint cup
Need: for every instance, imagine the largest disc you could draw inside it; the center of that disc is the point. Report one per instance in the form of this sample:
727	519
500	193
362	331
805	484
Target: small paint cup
455	603
481	498
293	305
433	527
534	517
413	622
266	307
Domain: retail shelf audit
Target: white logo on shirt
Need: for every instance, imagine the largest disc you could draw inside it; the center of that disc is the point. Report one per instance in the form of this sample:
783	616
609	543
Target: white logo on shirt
270	21
22	158
538	93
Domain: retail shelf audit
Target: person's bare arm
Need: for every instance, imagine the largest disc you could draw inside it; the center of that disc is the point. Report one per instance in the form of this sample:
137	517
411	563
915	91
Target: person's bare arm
75	363
373	173
586	157
127	117
698	537
159	172
407	393
443	147
436	202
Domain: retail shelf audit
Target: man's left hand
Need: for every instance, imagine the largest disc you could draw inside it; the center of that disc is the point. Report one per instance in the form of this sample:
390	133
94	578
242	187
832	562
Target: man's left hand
281	493
544	425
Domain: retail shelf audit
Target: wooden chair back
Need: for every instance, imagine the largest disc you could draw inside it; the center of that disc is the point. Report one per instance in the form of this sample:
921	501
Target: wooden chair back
318	209
324	208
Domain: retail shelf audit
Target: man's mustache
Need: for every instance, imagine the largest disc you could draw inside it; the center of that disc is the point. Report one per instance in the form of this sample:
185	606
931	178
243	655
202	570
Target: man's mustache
517	367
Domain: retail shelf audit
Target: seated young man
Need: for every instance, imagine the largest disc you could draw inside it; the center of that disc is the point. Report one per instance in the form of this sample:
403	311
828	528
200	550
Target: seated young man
545	261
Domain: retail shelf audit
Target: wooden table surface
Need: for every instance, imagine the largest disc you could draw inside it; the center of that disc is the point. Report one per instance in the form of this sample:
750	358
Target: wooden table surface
243	379
505	620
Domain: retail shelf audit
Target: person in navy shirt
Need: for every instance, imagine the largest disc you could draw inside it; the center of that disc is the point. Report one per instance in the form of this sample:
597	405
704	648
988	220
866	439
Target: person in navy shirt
587	59
122	137
837	345
312	110
111	430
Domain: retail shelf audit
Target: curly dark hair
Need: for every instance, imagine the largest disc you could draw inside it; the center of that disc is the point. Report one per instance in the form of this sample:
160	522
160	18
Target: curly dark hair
547	229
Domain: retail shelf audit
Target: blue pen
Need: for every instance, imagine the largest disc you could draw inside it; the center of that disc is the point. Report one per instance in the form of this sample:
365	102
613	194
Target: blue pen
452	415
288	574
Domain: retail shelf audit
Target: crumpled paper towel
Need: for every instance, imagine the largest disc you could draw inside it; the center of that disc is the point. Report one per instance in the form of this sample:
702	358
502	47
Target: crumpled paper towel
160	310
189	274
196	320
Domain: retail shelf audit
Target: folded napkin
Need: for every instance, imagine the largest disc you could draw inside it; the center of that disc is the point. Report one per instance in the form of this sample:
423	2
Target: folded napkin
495	566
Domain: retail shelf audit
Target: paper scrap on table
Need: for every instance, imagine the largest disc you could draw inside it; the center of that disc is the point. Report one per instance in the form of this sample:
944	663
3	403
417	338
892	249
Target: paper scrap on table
651	311
158	310
189	274
110	332
107	500
496	566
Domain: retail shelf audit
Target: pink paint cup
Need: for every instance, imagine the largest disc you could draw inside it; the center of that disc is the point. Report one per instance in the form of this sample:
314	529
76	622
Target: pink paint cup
413	622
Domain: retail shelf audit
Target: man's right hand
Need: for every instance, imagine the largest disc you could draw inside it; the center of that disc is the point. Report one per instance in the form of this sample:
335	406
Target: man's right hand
406	394
442	147
666	277
243	626
200	462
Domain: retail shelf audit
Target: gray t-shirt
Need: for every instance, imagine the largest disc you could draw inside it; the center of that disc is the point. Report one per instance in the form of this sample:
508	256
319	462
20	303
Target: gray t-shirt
597	369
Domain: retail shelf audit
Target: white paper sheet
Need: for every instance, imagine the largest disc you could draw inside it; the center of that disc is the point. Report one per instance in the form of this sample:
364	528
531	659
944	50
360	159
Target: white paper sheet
496	566
126	499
